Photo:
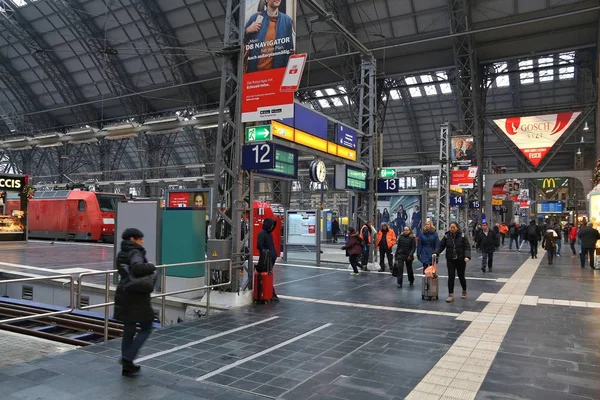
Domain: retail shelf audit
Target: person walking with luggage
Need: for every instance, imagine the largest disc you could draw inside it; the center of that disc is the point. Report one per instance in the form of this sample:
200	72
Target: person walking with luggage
488	242
265	241
458	254
132	305
549	244
573	239
354	248
405	254
427	243
588	236
366	235
533	237
386	239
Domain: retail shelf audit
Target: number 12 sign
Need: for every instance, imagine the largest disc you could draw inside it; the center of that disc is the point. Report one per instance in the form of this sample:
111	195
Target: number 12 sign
258	156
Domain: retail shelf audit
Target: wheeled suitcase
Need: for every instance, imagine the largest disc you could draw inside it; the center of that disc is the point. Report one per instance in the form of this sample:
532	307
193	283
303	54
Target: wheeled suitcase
263	287
430	288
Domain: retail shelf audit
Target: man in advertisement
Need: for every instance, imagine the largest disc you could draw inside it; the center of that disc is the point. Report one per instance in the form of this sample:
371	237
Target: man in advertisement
269	38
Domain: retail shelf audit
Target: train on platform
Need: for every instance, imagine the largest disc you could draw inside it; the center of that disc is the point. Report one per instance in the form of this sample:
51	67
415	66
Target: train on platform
71	215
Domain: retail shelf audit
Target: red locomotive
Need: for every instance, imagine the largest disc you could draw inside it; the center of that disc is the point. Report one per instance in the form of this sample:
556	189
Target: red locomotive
71	215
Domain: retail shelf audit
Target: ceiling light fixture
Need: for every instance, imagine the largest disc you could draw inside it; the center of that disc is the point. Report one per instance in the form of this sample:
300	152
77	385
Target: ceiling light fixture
586	126
578	152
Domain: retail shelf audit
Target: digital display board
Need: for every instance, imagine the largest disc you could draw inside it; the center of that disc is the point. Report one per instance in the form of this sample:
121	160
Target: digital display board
548	207
356	178
286	163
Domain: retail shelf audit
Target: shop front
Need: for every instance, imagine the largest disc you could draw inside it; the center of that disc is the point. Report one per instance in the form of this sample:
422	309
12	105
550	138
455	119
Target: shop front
13	220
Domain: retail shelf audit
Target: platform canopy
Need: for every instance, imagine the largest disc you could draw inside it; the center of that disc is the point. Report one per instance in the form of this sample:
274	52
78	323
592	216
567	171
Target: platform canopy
68	64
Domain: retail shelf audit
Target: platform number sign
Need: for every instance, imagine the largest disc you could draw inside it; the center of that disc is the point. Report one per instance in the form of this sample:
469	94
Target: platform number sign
258	156
388	185
474	205
457	201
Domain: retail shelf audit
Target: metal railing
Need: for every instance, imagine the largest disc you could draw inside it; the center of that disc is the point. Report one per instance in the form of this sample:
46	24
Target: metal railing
48	314
163	295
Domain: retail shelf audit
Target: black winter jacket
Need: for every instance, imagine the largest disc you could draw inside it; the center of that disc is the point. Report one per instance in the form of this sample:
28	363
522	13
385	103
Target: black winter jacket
405	247
457	246
487	243
133	307
588	236
264	241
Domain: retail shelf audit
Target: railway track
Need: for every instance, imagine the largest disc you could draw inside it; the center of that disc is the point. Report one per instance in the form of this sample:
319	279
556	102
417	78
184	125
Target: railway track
67	328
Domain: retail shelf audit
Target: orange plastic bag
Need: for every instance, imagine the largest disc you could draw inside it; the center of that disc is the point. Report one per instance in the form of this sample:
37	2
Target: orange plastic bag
431	272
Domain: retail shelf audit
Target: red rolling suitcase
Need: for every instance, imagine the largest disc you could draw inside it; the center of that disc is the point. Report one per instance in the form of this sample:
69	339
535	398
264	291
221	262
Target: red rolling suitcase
263	287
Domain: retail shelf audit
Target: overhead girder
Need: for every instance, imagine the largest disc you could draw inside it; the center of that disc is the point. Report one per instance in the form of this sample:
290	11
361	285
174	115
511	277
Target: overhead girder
413	124
27	99
12	22
93	39
172	51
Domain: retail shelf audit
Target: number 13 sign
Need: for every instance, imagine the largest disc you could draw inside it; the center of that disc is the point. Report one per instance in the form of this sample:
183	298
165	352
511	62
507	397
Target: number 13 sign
258	156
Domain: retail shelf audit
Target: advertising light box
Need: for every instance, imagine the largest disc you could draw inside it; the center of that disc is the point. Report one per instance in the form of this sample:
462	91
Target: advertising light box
302	228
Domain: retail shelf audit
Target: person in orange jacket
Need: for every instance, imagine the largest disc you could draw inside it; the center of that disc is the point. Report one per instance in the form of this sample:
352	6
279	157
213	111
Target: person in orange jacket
386	239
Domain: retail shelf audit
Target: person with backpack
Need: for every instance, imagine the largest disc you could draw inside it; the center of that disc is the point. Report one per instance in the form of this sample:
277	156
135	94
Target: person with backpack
533	237
488	242
514	236
265	241
132	301
386	239
522	235
549	244
458	254
588	236
558	231
354	248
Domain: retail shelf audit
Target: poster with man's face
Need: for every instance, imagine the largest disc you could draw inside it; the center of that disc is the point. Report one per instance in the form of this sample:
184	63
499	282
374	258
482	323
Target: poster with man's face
462	151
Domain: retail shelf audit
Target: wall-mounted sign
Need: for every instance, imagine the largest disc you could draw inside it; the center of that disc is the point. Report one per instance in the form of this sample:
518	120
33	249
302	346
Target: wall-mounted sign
536	135
258	133
388	185
12	182
345	136
550	185
463	179
387	173
258	156
462	153
456	201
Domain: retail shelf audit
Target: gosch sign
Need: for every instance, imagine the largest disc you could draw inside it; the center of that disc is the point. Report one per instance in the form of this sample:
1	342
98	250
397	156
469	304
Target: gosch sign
536	135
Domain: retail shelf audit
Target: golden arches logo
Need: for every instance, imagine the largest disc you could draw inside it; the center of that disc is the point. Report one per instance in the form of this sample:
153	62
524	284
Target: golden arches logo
549	183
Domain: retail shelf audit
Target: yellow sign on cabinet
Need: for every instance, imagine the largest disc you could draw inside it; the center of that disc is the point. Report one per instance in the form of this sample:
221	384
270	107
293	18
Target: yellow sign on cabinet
496	202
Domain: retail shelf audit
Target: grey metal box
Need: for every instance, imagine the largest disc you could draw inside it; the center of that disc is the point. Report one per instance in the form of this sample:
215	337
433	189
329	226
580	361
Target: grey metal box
217	249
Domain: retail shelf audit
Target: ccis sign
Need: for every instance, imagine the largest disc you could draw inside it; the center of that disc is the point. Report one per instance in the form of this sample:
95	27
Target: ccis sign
536	135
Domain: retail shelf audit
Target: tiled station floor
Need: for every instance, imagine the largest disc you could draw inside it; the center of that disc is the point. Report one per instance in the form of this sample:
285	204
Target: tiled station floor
527	331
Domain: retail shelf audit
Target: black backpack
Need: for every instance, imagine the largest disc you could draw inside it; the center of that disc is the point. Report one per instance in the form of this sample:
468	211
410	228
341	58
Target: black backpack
265	262
531	231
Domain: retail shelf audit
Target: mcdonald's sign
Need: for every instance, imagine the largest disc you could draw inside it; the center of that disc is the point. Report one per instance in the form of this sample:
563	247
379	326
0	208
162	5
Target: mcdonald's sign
550	185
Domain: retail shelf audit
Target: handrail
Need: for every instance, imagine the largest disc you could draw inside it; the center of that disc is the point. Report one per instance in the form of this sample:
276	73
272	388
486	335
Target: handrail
48	314
163	295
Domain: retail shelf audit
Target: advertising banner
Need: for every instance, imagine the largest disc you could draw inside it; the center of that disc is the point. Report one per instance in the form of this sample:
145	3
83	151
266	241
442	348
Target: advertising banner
536	135
463	179
269	42
550	185
400	211
463	152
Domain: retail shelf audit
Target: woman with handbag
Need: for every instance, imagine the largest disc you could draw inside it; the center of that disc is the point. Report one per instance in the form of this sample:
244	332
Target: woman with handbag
405	252
132	299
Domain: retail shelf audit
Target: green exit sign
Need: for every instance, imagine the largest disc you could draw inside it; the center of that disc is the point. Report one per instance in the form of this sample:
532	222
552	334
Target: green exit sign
387	173
258	133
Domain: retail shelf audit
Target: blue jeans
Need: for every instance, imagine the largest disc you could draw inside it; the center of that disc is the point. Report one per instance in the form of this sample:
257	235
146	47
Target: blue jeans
559	244
487	258
132	343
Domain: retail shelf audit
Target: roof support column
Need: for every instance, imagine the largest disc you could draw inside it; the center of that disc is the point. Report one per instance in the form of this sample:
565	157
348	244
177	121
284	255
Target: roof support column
469	88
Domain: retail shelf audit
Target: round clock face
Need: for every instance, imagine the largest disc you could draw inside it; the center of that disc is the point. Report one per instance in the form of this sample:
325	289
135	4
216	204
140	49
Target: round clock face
318	171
